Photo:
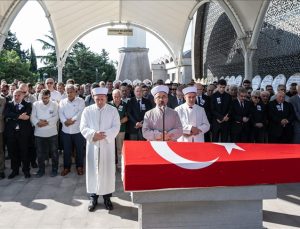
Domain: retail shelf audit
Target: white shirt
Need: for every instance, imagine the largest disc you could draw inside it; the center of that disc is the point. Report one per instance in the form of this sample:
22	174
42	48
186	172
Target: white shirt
48	112
73	110
55	96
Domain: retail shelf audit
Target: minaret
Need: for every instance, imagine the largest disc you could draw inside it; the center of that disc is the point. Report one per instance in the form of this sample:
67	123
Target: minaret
134	61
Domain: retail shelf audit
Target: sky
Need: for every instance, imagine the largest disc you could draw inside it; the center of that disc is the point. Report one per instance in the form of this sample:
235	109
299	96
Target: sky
31	24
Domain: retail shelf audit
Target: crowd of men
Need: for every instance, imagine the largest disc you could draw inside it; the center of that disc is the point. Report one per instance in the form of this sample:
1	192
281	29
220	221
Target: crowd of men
38	122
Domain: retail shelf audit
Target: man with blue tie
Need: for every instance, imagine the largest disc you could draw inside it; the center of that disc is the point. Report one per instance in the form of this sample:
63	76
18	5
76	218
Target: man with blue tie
17	114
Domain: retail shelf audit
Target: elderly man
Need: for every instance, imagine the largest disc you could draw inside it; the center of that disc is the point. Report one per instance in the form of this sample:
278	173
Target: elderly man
17	114
122	109
193	118
136	109
281	117
281	88
100	124
55	95
70	110
161	123
44	118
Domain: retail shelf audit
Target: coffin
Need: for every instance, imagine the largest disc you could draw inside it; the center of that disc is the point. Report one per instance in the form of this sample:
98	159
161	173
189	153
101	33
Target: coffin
176	165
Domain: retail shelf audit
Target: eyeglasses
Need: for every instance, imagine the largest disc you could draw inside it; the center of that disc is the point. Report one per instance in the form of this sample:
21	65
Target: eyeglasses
49	83
173	89
255	97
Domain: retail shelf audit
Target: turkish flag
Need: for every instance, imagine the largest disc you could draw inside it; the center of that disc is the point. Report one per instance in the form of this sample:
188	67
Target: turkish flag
165	165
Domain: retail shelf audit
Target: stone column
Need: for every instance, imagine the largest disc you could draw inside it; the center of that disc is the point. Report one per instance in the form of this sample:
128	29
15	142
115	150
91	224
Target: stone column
248	64
133	64
59	72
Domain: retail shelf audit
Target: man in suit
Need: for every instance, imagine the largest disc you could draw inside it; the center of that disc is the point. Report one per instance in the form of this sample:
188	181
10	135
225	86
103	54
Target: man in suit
258	120
136	109
240	115
281	117
179	97
295	101
204	101
17	113
220	109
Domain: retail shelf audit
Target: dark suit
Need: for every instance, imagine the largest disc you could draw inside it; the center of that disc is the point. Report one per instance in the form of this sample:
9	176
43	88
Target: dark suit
204	101
136	113
258	115
220	107
295	101
172	101
277	132
18	134
240	131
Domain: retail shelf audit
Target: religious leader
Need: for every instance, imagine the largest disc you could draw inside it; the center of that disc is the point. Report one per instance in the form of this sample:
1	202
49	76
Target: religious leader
161	123
100	124
193	117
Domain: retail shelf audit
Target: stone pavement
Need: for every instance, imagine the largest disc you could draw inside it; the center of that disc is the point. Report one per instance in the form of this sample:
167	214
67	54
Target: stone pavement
61	202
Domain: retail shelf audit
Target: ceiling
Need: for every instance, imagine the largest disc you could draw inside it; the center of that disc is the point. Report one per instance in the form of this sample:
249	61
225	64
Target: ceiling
168	20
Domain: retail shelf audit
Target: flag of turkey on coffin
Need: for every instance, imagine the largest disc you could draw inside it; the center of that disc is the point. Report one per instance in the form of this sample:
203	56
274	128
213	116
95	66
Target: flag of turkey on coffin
163	165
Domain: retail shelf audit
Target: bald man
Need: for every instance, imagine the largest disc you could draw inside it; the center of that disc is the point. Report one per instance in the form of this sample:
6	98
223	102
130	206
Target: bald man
281	115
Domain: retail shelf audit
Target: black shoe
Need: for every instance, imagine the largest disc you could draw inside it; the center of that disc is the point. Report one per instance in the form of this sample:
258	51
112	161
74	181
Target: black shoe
34	165
39	174
2	176
12	175
53	173
108	204
27	175
92	204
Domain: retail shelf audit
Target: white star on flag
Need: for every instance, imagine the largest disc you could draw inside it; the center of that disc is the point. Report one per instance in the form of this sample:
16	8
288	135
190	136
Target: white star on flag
229	146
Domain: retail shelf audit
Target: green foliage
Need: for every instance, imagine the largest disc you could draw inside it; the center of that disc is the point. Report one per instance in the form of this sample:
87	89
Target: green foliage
12	43
85	66
12	67
33	64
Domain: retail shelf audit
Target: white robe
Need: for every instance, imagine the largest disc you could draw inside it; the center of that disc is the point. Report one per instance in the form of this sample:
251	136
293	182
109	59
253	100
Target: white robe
100	155
192	117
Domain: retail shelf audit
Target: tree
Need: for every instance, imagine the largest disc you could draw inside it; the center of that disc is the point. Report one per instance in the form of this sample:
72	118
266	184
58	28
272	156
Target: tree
85	66
49	60
12	43
12	67
33	63
82	65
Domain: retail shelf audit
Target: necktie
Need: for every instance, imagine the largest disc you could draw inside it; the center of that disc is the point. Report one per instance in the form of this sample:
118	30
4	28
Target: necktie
139	103
242	104
199	100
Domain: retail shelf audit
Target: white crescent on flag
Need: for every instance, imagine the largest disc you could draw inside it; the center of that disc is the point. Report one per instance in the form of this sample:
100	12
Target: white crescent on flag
168	154
162	149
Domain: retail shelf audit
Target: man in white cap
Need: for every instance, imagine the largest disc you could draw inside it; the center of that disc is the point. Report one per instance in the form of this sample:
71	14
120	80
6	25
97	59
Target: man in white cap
193	117
100	124
161	123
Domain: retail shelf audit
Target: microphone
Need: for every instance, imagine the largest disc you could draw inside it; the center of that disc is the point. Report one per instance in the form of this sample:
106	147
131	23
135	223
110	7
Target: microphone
163	110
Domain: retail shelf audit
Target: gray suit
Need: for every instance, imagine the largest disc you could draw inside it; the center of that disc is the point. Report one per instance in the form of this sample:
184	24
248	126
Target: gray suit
295	101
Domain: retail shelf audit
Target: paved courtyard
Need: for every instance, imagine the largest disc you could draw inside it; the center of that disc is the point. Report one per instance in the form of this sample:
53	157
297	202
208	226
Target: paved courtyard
61	202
